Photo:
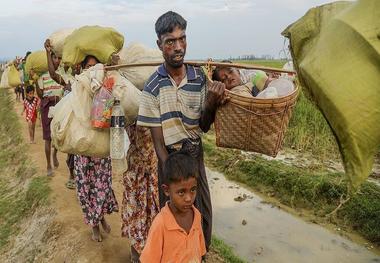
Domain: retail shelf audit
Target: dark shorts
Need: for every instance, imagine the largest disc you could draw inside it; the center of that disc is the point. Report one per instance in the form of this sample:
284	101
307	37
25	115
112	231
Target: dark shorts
45	104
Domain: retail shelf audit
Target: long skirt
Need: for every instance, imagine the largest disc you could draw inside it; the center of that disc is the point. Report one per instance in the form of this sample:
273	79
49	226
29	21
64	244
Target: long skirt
140	198
93	177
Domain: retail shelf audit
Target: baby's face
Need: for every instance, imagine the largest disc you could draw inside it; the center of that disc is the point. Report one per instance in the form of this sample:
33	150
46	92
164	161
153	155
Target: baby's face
230	77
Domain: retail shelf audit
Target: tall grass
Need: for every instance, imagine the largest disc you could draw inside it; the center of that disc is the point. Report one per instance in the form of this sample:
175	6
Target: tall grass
20	191
267	63
309	131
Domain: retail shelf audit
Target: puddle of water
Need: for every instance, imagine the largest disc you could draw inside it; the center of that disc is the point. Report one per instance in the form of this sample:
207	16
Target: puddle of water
272	235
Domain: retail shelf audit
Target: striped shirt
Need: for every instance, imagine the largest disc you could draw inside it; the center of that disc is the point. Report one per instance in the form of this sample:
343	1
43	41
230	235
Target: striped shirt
177	109
49	86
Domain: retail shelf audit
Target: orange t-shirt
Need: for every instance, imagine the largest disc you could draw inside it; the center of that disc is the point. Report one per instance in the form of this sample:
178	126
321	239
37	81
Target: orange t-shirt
169	243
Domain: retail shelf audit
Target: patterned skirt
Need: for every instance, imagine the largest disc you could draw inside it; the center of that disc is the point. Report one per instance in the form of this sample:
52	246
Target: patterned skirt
93	177
140	198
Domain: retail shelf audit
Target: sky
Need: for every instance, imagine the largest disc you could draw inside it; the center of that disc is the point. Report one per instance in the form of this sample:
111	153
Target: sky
215	28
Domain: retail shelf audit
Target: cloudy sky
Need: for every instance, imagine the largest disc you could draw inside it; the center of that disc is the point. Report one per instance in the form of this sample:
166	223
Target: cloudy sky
216	28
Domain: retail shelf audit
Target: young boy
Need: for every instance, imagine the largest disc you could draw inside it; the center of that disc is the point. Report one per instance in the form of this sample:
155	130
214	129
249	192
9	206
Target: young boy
31	104
176	232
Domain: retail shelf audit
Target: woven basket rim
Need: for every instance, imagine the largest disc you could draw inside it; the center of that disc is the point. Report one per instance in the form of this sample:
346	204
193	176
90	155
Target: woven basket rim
264	100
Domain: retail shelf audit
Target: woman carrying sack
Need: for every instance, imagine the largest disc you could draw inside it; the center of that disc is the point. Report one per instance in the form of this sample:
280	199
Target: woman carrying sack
50	92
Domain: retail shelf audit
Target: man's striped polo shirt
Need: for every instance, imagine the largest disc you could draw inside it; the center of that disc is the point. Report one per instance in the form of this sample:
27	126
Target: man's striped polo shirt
177	109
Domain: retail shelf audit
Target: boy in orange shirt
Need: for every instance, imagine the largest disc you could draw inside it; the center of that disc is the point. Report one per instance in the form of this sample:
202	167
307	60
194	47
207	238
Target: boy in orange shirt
176	232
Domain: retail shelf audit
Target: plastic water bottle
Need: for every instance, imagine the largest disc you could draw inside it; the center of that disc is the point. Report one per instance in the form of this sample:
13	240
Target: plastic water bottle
117	139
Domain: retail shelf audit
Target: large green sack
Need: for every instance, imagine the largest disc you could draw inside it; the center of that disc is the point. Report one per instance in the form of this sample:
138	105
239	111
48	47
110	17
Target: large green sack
14	76
37	61
57	40
97	41
336	52
4	78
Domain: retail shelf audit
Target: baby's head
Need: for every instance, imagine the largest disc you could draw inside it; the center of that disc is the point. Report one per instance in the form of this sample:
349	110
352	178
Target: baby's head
180	180
230	76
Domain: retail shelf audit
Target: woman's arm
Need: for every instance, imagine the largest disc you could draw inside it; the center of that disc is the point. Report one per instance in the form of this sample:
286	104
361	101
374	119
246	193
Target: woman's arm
56	77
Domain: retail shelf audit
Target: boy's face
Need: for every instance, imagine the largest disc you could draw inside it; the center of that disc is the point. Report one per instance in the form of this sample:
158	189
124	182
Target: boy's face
173	46
30	94
182	194
230	77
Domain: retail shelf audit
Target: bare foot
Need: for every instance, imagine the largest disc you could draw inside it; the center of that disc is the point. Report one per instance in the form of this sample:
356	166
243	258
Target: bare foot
96	234
32	142
49	172
55	162
106	227
135	257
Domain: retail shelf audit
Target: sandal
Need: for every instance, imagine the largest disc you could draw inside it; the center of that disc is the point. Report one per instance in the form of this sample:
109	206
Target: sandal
70	184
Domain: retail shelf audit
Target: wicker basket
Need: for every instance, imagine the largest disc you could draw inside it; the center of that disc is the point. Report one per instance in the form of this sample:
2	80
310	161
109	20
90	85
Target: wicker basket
253	124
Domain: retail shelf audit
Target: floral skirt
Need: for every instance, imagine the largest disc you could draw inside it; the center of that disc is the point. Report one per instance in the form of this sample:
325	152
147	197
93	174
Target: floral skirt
140	198
93	177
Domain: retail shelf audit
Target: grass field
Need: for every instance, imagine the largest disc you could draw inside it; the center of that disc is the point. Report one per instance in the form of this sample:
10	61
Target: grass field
21	192
268	63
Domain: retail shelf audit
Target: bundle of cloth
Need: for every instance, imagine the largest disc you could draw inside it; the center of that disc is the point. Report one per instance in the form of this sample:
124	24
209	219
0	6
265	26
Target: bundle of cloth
37	62
138	53
57	40
97	41
4	78
71	128
14	79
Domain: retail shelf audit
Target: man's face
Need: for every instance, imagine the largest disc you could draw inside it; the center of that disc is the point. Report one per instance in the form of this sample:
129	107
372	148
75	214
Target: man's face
56	61
182	194
230	77
173	47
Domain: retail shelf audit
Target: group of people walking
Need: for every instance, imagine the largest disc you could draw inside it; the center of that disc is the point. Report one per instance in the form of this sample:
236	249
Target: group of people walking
166	173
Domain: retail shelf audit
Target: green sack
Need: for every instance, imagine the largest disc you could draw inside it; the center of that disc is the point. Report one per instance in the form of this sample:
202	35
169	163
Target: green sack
100	42
37	61
13	76
336	52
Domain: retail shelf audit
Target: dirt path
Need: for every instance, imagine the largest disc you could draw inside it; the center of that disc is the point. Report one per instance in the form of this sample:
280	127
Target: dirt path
71	236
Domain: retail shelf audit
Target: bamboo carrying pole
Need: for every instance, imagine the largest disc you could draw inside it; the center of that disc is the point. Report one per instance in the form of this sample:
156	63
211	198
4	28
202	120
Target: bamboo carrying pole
204	63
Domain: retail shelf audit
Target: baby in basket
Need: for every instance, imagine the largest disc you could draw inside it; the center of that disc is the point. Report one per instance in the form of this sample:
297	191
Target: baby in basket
252	83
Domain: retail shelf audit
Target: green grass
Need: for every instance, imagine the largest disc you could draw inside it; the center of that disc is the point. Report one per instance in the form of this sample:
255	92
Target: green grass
309	131
267	63
224	251
21	192
316	191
